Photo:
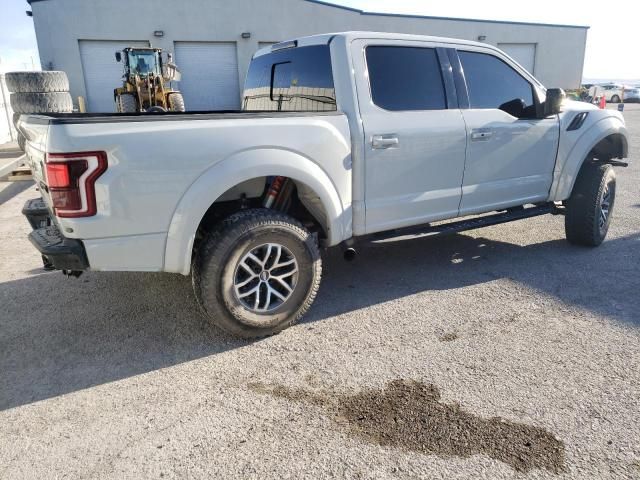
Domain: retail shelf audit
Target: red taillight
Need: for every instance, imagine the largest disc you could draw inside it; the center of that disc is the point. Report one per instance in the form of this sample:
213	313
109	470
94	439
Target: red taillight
71	179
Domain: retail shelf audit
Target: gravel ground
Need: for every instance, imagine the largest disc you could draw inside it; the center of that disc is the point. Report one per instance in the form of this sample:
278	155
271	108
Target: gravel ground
493	339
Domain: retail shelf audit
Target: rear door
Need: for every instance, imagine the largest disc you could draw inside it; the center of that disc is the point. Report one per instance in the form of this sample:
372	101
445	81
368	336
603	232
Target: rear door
415	136
511	153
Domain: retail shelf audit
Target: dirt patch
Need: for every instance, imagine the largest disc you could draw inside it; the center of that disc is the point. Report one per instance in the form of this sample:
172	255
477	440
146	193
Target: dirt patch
410	416
448	337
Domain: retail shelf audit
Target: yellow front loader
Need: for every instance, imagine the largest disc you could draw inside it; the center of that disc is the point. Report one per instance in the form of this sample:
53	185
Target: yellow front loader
147	82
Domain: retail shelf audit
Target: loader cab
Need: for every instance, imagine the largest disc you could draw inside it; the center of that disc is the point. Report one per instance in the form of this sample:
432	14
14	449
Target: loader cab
142	62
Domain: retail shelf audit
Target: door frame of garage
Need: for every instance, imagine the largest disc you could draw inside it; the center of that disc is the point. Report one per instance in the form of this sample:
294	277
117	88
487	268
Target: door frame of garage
216	42
535	53
102	40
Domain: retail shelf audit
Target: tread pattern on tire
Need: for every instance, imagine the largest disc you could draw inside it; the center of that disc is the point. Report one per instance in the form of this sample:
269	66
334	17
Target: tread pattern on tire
127	103
582	216
221	238
22	141
176	102
51	102
37	82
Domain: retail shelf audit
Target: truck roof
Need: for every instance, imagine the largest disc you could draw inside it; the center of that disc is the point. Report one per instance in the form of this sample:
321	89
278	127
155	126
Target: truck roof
325	38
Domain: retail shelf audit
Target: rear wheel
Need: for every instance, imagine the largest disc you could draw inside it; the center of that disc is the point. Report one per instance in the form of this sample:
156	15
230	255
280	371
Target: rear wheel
615	99
257	273
590	207
176	102
126	103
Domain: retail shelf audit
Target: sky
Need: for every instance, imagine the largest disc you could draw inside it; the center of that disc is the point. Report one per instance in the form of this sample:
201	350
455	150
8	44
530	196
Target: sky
612	47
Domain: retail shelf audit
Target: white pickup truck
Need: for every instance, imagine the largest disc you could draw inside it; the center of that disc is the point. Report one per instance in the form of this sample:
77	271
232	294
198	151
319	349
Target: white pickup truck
342	137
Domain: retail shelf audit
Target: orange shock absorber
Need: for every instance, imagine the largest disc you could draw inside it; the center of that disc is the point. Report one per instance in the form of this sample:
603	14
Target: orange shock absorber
273	192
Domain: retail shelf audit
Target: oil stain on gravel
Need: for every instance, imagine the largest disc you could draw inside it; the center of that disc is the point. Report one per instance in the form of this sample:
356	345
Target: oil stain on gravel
409	415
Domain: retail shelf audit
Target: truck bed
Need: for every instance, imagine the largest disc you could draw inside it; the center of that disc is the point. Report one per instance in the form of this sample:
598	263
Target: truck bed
166	169
78	118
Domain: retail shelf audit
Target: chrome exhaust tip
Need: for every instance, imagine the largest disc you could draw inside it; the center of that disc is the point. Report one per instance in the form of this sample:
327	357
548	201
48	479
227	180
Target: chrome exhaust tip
350	254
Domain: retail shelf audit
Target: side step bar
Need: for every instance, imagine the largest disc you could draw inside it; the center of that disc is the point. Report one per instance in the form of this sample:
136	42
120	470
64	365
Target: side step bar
469	224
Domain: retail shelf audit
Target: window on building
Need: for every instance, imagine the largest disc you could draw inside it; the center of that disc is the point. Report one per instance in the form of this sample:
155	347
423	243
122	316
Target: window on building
405	78
291	80
492	83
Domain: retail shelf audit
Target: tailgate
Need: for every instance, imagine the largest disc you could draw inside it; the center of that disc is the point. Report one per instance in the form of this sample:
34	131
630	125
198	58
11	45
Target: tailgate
35	129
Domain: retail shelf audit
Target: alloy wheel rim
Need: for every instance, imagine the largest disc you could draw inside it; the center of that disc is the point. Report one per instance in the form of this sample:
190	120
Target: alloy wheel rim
265	278
605	207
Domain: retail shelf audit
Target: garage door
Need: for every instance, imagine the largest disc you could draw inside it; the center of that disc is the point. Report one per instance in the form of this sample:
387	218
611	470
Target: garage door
209	75
523	53
101	71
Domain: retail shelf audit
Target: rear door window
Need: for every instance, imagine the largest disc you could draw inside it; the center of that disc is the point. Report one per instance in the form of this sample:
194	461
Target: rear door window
405	78
291	80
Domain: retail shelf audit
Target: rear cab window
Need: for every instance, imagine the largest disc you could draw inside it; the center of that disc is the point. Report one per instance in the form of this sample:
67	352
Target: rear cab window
405	78
296	79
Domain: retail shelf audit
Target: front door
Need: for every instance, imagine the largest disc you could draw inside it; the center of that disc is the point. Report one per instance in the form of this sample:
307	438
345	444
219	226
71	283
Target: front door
414	144
511	154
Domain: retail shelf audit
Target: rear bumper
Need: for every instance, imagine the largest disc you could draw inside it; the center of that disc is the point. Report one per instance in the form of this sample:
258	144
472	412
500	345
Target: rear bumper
59	252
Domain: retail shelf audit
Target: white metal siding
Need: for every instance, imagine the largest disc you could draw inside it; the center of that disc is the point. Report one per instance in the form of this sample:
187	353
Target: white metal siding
523	53
7	130
102	74
210	78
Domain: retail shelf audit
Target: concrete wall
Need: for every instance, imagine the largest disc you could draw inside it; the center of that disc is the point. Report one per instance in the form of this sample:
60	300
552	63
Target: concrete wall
60	24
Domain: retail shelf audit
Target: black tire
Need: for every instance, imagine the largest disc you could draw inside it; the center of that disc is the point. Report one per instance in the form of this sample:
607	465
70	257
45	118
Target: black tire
615	99
176	102
21	141
53	102
216	267
37	82
126	103
584	223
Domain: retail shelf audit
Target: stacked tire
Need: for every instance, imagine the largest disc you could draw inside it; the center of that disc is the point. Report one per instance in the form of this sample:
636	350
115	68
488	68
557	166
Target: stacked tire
38	92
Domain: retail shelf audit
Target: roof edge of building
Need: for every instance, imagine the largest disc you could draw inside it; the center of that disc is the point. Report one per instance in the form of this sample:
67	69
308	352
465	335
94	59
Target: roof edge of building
407	15
459	19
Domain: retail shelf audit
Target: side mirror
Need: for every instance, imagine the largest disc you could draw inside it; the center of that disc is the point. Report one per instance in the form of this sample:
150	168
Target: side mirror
118	57
555	97
515	107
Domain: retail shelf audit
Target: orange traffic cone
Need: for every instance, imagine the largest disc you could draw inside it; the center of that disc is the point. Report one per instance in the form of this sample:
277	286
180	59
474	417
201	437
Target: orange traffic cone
603	102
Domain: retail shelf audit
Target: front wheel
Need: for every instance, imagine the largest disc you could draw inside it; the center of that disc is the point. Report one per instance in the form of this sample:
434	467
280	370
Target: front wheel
126	103
615	99
257	273
590	207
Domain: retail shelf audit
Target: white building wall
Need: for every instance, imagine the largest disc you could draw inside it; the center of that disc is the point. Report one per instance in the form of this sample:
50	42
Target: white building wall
61	24
7	131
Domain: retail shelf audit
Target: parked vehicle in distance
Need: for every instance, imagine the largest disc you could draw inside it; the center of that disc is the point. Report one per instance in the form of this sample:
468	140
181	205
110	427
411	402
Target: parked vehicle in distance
612	92
344	138
631	94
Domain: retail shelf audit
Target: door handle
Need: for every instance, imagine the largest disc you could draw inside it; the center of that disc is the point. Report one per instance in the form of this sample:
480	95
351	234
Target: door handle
385	141
481	134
